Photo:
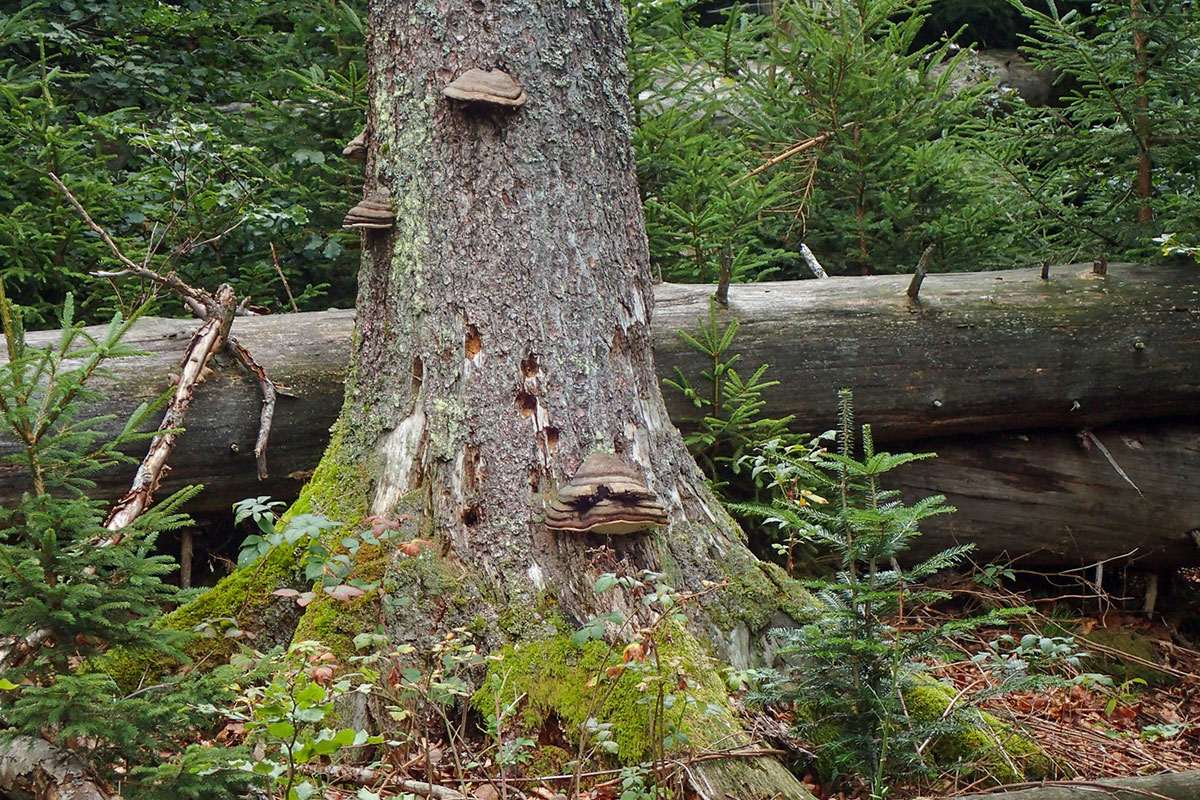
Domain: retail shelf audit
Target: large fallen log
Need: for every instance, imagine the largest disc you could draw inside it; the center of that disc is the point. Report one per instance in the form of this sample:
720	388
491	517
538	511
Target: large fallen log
980	352
1066	499
1168	786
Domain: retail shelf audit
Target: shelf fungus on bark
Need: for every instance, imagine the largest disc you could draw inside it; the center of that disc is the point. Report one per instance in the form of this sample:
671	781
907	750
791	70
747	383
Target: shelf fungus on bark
493	86
374	212
608	495
356	148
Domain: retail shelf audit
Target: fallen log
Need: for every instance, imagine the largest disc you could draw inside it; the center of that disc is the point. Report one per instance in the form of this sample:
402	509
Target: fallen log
994	350
1065	499
1168	786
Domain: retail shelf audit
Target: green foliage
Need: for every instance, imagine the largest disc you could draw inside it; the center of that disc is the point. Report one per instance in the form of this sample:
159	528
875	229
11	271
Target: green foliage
290	720
889	166
732	422
1127	100
849	670
325	562
70	588
198	135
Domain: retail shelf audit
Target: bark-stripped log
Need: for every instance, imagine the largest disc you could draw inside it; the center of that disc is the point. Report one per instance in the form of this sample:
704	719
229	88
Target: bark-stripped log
1056	498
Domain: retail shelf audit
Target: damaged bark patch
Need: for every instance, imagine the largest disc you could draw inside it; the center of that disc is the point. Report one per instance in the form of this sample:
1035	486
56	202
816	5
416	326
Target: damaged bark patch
529	366
473	343
527	403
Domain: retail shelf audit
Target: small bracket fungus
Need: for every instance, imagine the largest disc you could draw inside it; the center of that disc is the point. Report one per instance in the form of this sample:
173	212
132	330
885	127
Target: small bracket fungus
374	212
607	495
356	148
494	87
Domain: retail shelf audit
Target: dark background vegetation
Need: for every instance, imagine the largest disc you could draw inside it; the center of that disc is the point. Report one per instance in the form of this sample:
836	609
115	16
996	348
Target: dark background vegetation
206	136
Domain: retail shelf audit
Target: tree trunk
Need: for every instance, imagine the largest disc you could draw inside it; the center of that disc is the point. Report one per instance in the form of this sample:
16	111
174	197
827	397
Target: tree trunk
503	334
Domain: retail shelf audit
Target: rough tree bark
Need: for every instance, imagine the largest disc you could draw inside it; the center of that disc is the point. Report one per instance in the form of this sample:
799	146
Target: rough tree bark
503	334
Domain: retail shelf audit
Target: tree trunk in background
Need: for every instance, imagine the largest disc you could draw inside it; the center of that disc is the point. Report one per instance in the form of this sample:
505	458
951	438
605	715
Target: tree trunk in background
503	334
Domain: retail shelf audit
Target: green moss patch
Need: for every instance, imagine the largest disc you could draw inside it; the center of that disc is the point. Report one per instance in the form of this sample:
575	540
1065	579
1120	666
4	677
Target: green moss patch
1122	669
990	749
553	680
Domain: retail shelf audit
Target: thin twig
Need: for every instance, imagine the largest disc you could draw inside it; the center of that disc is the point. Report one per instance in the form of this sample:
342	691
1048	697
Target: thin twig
365	776
797	149
1088	436
286	288
267	387
170	280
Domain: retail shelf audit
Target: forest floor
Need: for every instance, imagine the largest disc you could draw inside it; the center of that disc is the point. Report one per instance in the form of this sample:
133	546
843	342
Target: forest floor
1143	718
1143	715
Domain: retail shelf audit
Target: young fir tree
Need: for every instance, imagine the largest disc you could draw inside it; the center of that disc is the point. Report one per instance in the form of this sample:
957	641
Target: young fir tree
848	671
1115	167
70	588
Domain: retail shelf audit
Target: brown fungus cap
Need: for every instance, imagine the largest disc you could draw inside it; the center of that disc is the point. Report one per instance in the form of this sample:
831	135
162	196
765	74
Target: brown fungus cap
356	148
608	495
493	86
372	213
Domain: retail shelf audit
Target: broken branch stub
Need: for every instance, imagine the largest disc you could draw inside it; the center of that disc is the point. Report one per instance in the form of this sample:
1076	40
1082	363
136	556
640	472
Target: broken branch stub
493	86
374	212
608	495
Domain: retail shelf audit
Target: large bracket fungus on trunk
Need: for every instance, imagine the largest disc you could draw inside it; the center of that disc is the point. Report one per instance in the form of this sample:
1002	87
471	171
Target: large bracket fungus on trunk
607	495
493	87
374	212
356	148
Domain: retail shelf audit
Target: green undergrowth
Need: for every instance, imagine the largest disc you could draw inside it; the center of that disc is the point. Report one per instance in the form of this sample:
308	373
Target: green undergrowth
560	682
243	600
993	749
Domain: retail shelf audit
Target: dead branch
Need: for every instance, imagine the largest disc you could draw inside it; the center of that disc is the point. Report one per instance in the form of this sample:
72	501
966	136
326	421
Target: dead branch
794	150
170	280
365	776
209	339
914	287
279	270
810	259
267	387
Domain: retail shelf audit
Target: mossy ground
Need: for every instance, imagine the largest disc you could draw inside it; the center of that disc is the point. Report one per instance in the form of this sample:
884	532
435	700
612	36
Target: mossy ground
555	681
243	599
1121	669
991	748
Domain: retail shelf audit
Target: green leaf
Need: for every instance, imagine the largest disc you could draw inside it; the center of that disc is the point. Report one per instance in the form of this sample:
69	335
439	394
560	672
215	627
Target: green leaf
283	730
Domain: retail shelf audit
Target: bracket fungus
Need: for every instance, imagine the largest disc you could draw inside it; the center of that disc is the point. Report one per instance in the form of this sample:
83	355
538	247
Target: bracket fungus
374	212
608	495
356	148
493	86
